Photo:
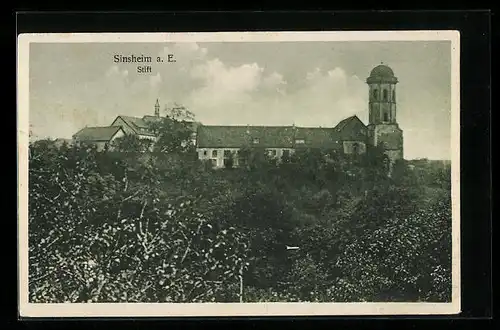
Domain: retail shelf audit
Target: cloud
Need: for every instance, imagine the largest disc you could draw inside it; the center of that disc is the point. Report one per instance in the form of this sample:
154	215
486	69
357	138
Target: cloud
332	94
115	72
274	82
155	80
224	93
185	53
259	97
224	85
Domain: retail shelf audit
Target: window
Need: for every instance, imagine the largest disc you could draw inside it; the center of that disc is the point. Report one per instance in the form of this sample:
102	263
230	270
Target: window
214	153
394	96
375	94
385	95
255	141
386	116
228	163
355	148
300	141
205	153
227	153
273	152
286	155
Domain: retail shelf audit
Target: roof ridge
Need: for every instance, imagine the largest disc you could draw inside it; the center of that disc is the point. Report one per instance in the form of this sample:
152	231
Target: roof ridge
107	126
127	116
246	126
97	133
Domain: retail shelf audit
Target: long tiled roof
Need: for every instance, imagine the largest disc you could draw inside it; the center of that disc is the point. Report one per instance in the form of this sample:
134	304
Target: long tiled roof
238	136
97	133
316	137
280	136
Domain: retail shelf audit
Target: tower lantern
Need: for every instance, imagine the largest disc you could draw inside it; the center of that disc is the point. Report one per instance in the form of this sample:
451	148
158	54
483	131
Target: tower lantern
383	126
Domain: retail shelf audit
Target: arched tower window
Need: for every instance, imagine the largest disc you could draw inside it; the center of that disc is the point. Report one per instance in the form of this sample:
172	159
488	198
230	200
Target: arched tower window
385	95
394	96
386	116
375	94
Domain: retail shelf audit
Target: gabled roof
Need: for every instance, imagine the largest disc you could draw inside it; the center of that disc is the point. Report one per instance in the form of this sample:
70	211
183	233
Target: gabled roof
138	125
351	128
142	125
135	121
97	133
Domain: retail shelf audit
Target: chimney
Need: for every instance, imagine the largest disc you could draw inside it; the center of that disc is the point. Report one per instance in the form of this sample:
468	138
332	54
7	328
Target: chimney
157	108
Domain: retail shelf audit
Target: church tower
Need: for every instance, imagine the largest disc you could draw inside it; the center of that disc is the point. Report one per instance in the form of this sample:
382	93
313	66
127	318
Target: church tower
157	108
383	127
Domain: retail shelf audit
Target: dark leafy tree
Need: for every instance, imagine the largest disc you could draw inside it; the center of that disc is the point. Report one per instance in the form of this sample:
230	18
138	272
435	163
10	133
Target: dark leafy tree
131	143
174	131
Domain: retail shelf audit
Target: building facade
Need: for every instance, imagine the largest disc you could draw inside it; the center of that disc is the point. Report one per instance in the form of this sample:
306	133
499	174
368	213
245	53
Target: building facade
218	144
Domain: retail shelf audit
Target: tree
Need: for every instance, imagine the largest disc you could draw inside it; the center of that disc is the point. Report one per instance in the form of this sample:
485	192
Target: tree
255	159
229	160
131	143
174	131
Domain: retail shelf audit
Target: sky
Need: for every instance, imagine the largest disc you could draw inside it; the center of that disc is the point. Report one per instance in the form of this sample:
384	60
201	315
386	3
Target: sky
312	84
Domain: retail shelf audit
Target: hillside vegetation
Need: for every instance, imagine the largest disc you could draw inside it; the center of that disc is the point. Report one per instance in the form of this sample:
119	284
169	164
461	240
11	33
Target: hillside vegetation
132	225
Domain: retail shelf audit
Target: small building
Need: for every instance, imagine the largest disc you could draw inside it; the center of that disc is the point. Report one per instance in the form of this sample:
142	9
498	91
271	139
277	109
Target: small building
98	136
136	126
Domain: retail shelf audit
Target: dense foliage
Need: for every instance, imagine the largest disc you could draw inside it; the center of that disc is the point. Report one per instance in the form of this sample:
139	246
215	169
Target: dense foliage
155	225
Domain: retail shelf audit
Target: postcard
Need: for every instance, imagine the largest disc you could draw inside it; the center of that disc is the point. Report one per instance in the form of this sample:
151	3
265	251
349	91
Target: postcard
239	174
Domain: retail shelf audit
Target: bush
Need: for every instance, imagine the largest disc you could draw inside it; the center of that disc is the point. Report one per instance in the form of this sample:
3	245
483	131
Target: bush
95	238
150	226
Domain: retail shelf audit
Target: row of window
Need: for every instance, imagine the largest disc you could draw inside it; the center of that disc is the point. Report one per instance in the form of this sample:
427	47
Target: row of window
297	141
227	153
385	94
